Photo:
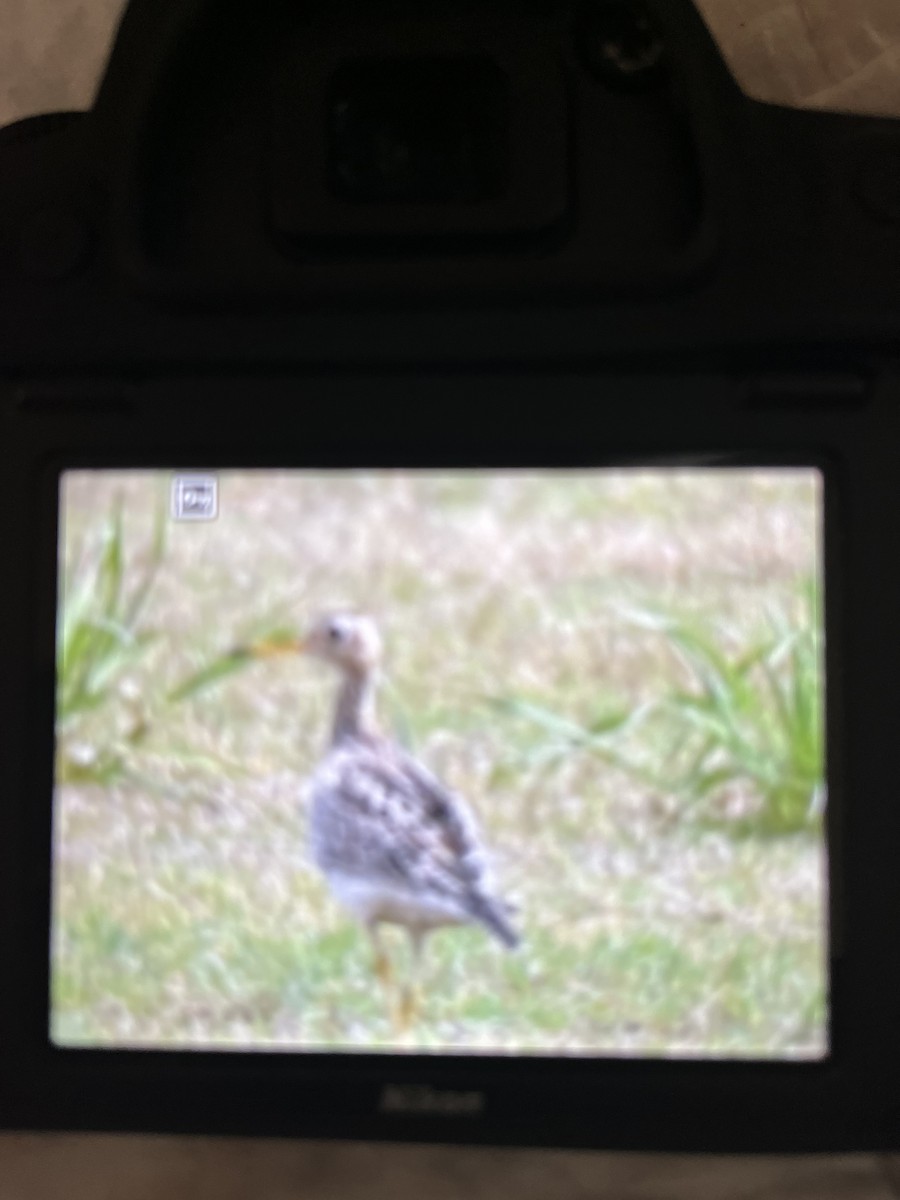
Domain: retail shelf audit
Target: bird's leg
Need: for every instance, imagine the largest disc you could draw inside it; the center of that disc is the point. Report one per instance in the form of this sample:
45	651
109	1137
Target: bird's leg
382	963
410	997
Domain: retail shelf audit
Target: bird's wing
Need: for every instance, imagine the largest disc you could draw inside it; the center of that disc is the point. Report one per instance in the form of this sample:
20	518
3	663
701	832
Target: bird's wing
380	813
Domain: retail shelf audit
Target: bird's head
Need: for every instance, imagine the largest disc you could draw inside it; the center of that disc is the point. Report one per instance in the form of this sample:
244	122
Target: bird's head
349	641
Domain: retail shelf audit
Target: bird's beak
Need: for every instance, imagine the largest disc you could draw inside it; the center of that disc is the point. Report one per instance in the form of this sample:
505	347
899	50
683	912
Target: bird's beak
274	646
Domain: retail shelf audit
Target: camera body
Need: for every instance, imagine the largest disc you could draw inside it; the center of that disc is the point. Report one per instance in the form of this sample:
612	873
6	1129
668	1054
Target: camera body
495	183
532	233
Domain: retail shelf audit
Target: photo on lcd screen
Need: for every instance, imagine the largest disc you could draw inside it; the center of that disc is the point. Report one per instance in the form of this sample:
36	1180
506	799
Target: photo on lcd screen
493	762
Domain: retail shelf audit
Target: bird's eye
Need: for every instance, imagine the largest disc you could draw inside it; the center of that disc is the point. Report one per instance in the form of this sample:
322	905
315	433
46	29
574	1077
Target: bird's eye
335	633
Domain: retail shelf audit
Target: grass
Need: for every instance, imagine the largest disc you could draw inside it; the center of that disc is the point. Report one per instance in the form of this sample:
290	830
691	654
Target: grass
738	744
259	955
187	910
746	731
100	639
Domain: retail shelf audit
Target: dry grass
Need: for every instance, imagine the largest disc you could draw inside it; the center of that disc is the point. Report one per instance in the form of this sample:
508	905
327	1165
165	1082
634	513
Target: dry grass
187	911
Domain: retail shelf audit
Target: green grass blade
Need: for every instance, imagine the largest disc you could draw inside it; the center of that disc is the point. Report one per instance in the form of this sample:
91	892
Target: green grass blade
543	718
112	564
214	672
156	556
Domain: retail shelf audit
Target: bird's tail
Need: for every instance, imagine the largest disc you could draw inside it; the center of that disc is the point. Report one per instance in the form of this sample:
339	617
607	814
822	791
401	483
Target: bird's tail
494	916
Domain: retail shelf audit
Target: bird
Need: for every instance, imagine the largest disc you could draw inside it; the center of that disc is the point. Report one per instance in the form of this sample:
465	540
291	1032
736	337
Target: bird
395	845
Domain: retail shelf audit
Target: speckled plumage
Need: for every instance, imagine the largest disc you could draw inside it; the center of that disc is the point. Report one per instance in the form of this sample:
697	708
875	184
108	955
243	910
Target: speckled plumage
395	845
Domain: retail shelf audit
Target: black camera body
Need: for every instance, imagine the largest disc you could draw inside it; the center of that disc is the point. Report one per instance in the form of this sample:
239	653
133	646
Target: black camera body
527	232
491	184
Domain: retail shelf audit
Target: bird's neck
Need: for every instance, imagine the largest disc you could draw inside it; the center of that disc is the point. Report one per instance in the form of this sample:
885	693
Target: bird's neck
354	716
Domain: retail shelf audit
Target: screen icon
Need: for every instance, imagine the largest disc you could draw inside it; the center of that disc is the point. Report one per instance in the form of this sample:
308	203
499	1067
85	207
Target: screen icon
195	498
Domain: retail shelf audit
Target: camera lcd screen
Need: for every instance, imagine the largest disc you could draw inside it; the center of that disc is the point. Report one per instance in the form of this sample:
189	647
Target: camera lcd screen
505	762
